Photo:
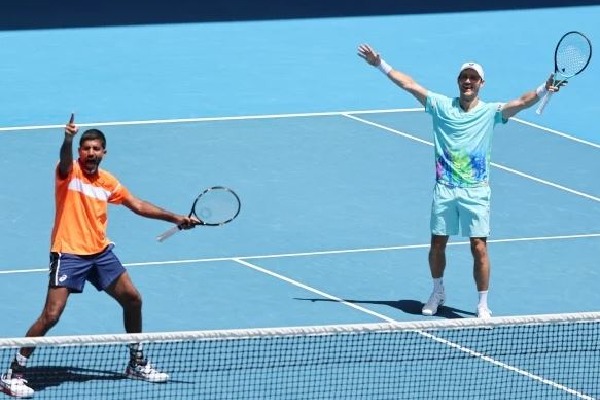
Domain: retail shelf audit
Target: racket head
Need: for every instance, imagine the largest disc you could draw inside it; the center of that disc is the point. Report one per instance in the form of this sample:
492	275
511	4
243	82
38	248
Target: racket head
572	55
216	206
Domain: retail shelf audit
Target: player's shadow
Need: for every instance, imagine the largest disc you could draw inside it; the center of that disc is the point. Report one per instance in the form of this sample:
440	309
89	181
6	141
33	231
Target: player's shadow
42	377
407	306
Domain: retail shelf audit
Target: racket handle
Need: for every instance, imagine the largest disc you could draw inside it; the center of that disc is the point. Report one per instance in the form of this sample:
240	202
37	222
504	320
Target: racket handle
168	233
543	103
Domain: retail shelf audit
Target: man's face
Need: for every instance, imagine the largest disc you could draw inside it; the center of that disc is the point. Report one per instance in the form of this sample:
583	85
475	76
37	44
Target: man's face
469	83
91	153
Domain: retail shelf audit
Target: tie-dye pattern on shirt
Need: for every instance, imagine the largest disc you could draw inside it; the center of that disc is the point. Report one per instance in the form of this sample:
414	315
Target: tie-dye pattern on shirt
462	140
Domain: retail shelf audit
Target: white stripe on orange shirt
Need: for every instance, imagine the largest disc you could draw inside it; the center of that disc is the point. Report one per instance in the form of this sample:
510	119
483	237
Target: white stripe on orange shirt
81	210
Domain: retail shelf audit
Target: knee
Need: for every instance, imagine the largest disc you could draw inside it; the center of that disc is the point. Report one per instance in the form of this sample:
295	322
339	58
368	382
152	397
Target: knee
132	299
50	318
437	248
479	248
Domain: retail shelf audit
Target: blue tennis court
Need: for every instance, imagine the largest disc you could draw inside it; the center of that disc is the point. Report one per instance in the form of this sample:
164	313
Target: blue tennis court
333	164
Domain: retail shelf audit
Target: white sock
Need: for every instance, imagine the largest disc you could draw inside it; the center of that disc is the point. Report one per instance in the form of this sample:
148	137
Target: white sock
483	298
438	284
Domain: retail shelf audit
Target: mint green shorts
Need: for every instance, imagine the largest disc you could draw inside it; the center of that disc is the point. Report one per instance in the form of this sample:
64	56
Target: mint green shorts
464	209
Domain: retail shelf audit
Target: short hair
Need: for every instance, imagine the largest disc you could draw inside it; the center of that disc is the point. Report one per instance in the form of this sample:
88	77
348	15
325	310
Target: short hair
93	134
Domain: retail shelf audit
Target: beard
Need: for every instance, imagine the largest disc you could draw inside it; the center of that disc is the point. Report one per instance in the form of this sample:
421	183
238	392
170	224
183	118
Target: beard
90	165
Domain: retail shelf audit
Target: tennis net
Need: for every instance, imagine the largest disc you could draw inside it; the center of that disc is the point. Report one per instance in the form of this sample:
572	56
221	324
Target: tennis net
526	357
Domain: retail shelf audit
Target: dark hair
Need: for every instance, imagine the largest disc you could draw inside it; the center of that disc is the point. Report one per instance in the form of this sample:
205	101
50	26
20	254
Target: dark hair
93	134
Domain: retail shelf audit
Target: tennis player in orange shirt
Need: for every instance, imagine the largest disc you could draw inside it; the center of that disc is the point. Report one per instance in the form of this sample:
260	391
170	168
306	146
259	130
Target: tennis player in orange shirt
81	251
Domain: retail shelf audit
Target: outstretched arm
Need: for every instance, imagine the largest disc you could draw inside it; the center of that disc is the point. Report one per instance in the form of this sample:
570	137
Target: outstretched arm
401	79
66	149
149	210
528	99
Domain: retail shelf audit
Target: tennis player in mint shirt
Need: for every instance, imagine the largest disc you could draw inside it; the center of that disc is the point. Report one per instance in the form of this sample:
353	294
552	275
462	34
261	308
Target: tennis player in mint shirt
463	127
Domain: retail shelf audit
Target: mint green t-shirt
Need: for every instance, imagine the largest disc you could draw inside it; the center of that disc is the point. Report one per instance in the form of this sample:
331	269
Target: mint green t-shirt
462	140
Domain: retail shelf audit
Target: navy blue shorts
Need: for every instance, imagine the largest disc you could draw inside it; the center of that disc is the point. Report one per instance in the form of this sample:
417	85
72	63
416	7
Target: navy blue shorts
71	271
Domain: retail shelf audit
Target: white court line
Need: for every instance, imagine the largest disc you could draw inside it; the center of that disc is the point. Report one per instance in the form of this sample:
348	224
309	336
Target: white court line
324	252
210	119
500	364
508	169
471	352
561	134
240	260
313	290
483	357
272	116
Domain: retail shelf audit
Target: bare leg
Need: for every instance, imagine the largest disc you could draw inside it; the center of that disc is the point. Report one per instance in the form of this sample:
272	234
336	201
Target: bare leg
123	290
437	255
437	265
481	263
56	300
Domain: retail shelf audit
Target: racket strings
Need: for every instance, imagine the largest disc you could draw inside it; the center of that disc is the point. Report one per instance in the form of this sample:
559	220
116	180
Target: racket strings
216	206
572	55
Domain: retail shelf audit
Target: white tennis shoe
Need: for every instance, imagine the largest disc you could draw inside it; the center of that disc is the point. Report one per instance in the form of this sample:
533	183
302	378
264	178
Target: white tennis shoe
437	299
484	312
15	385
144	371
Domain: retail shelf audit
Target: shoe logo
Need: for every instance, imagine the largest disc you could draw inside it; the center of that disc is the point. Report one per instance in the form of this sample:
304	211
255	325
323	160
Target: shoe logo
62	278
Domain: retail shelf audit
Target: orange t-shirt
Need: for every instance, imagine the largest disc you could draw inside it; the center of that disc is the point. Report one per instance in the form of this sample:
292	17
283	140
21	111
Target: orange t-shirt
81	210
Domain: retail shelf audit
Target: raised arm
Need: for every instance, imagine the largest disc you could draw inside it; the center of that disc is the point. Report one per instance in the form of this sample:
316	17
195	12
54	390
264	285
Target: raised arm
66	149
399	78
149	210
528	99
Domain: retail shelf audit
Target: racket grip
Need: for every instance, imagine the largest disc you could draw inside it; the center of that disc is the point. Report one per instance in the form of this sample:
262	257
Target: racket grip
168	233
543	103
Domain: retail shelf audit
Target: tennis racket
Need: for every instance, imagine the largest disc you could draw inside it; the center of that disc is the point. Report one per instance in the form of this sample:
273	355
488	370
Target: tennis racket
215	206
572	55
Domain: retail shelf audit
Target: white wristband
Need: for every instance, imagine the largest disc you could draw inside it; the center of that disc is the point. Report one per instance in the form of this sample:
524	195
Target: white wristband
384	67
541	90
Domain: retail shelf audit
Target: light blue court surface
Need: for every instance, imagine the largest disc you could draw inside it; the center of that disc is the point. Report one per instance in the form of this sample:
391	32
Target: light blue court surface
335	208
334	166
334	200
288	66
